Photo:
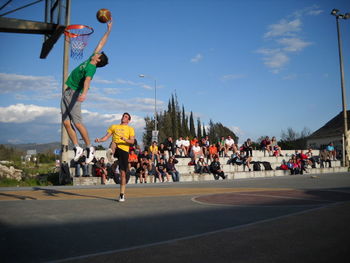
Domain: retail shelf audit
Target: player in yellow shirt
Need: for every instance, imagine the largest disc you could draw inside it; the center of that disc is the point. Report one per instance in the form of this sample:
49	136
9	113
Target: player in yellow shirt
122	136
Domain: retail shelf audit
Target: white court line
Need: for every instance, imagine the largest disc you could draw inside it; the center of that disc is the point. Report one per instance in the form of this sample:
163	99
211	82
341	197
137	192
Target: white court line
192	236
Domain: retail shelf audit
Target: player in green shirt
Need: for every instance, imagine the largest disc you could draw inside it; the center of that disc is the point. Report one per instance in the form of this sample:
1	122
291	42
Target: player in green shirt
78	84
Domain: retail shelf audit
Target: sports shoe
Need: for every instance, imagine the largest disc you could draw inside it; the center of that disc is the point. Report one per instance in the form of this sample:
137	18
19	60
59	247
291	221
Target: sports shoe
78	151
109	155
122	198
90	154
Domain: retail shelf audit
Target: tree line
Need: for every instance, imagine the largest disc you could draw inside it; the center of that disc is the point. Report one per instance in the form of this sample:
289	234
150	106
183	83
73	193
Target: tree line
175	122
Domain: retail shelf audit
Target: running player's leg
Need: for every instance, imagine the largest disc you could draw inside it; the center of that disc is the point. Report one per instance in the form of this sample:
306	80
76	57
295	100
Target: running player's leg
123	167
113	146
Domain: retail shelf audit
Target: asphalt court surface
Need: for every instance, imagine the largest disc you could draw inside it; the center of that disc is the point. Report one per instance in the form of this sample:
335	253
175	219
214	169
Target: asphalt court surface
183	222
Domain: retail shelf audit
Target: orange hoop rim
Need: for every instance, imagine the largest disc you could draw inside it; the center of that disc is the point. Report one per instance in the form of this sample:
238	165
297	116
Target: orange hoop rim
73	35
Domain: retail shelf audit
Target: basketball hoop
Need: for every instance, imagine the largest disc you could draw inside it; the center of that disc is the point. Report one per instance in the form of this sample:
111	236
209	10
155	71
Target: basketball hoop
78	36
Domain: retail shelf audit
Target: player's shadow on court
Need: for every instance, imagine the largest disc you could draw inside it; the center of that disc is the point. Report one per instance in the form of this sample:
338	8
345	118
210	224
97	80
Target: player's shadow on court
55	193
20	197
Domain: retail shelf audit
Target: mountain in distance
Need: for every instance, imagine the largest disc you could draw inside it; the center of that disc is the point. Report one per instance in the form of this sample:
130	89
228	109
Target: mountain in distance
39	147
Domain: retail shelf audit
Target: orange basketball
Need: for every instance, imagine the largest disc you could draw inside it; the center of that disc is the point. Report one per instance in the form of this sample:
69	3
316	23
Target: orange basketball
103	15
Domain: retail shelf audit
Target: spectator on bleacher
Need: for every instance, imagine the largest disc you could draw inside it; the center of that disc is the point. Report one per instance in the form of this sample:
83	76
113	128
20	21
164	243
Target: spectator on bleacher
153	152
152	172
142	172
163	154
275	148
171	169
304	161
113	170
101	169
230	146
81	164
169	145
215	169
202	144
193	141
248	147
201	166
137	149
239	159
221	146
325	158
162	175
207	145
180	148
266	145
196	152
294	165
311	158
144	156
332	151
133	160
187	145
213	151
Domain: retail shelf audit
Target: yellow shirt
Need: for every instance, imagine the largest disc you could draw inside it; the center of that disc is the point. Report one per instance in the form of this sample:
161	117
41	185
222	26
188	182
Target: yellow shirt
153	149
118	131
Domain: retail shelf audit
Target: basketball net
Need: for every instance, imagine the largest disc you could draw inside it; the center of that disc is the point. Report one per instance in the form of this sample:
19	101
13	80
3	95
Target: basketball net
78	36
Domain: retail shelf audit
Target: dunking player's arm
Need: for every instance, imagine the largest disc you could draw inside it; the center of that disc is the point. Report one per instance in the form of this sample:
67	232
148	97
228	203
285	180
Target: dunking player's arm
94	60
104	38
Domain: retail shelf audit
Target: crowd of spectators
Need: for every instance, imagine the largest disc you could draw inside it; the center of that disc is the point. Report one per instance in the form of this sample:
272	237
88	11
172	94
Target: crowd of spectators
157	163
299	161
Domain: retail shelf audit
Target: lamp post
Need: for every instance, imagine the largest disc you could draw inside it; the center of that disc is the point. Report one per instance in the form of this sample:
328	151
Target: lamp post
155	132
335	12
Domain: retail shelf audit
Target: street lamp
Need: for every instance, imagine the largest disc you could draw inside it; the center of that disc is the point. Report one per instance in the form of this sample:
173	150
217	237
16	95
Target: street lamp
335	12
155	133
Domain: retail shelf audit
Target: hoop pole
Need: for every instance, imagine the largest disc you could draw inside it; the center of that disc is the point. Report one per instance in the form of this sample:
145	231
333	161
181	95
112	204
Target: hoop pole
64	134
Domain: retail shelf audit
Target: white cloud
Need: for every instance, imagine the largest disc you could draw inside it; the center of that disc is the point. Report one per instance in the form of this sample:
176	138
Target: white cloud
284	28
276	60
21	83
310	10
315	12
99	101
33	123
20	113
293	44
286	34
148	87
102	81
197	58
128	82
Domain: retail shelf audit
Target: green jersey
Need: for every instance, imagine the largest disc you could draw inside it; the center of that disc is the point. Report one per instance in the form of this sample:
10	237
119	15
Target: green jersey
77	77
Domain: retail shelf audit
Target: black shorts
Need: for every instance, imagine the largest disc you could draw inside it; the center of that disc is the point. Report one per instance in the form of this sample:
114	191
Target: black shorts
123	159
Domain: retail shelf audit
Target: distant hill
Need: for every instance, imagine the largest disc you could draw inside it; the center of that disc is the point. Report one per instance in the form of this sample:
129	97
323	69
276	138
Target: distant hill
40	148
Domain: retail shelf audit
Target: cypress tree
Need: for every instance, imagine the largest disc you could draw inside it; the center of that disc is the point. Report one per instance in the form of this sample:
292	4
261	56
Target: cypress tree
199	129
192	127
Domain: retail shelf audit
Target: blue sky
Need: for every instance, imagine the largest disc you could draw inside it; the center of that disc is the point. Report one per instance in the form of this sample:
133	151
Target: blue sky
256	66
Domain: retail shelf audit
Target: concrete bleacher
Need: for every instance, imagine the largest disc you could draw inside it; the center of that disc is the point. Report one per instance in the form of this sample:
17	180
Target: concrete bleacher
231	171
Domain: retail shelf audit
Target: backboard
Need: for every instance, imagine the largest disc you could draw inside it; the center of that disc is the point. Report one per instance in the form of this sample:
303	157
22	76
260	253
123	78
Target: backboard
52	24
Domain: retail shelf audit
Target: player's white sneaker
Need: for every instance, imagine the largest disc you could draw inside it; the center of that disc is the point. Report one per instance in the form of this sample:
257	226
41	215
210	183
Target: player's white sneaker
122	198
109	155
90	154
78	151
